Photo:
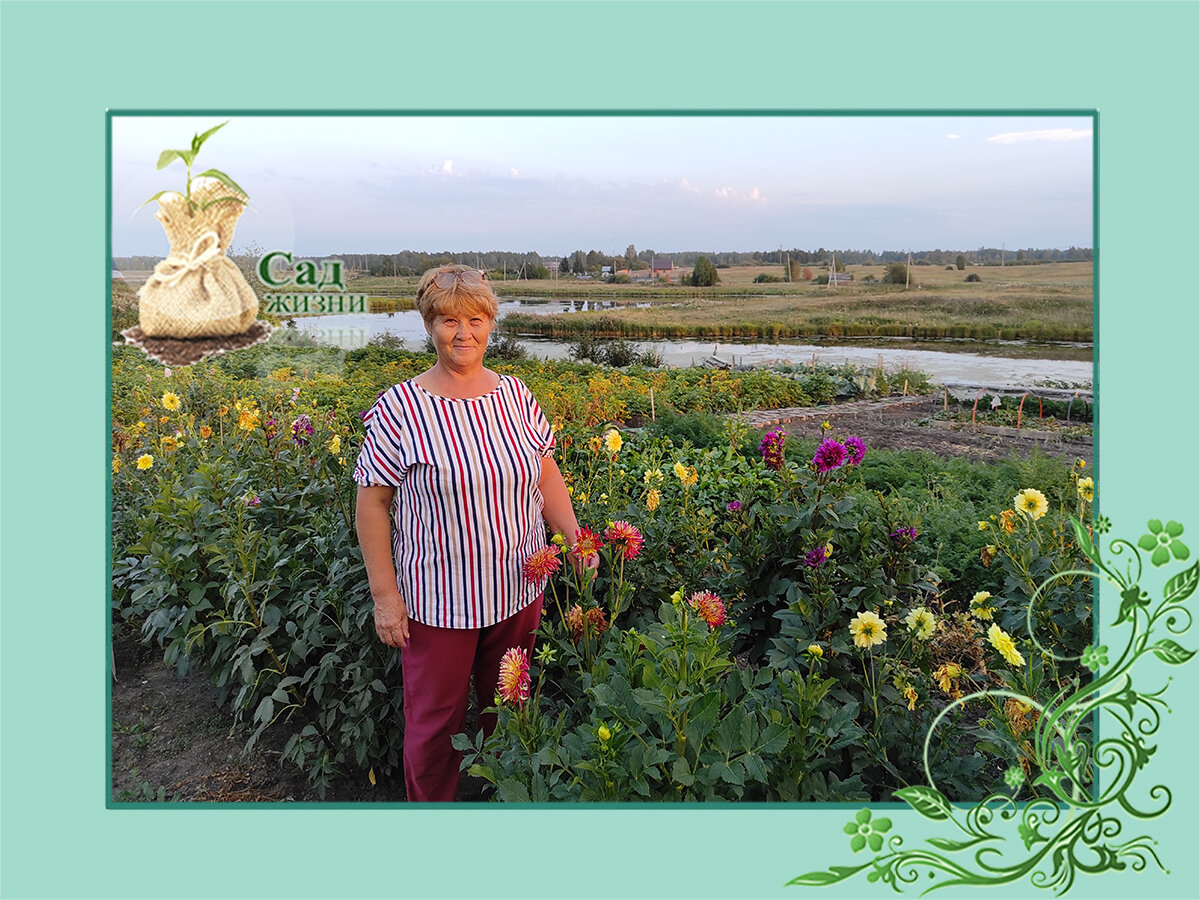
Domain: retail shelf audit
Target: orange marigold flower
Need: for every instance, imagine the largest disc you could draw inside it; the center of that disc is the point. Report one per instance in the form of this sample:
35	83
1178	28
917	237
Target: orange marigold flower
205	431
625	537
710	606
541	564
513	684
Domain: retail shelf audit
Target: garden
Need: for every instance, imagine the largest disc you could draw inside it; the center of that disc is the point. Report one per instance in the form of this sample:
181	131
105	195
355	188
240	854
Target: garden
775	617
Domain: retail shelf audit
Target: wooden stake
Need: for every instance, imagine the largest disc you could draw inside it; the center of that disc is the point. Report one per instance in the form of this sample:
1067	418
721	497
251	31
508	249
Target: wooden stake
652	405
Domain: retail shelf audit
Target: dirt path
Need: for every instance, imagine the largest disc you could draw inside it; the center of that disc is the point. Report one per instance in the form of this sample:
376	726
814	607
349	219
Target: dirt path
907	424
170	739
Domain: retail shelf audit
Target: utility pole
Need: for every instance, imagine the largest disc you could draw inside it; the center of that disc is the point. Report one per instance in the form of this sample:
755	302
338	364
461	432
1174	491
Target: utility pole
907	269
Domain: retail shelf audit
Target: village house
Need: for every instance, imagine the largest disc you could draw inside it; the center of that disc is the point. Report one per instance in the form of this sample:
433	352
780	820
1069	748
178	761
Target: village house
662	267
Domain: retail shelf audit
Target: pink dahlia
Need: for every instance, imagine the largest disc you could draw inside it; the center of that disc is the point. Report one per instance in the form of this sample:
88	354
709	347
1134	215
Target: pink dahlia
829	456
626	538
772	449
513	685
710	606
541	564
855	450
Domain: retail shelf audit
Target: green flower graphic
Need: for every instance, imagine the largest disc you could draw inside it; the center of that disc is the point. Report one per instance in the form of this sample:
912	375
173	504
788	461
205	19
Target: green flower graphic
865	832
1164	542
1102	524
1073	825
1095	657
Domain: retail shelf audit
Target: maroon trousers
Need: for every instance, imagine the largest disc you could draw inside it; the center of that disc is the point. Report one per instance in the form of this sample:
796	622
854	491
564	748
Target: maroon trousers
437	666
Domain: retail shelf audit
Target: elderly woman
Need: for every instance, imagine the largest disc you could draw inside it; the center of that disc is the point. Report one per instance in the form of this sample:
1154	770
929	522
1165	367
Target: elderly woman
457	483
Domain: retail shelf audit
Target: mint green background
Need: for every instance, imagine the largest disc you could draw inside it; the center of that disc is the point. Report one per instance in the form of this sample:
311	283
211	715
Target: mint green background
63	64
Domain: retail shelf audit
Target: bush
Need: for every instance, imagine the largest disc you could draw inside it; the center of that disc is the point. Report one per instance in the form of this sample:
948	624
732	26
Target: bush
766	278
973	277
897	273
124	309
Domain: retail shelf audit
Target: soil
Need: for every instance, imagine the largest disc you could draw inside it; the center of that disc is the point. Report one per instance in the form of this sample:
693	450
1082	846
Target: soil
172	741
185	351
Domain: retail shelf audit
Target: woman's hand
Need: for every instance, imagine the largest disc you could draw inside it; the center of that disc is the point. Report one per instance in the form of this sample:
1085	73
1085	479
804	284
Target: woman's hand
391	621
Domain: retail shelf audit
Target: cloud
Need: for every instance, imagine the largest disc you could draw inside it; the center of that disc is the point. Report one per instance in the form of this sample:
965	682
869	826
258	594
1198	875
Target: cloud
724	192
513	173
686	185
953	137
1050	134
756	196
448	167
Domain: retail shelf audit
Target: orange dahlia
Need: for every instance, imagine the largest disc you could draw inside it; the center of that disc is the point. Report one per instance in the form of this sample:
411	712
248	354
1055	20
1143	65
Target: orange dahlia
587	543
710	606
541	564
513	685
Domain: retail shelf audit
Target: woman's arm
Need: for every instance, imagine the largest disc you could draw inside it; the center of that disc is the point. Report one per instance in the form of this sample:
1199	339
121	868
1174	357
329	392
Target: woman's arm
373	521
558	511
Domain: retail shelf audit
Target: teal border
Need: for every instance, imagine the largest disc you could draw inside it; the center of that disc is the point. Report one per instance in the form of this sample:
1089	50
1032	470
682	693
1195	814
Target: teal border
1136	63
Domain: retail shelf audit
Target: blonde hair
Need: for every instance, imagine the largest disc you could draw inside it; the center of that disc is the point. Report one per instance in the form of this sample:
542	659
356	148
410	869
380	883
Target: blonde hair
433	300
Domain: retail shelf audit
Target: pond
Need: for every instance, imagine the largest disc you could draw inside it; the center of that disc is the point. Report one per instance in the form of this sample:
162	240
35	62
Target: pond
985	367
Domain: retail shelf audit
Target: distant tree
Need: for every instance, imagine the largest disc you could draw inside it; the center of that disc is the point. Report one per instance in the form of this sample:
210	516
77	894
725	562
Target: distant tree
793	270
578	264
630	255
704	273
564	265
960	262
807	274
897	273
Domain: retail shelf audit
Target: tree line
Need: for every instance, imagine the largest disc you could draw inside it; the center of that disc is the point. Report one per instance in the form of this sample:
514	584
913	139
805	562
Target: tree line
580	262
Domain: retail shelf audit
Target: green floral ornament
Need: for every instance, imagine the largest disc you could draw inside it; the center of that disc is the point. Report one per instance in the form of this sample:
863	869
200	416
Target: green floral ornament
1095	657
1078	824
1102	524
865	832
1164	542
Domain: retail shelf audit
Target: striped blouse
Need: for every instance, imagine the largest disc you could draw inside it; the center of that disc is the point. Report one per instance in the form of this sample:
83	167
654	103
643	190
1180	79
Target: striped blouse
468	512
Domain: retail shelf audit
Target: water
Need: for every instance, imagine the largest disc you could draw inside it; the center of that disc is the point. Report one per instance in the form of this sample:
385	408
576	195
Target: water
355	330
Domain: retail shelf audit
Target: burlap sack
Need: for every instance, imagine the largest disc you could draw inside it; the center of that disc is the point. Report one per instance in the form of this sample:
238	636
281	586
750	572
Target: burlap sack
198	291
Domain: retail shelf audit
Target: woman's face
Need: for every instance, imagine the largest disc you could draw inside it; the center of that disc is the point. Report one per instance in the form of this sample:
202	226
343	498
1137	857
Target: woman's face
461	338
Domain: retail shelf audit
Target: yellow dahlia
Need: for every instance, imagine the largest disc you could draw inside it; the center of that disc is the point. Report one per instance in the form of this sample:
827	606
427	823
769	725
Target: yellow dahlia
653	498
170	401
1085	488
1000	639
145	461
979	606
868	629
1032	502
612	440
921	622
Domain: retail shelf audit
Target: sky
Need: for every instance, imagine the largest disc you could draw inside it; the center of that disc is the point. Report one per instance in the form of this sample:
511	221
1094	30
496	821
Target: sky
322	185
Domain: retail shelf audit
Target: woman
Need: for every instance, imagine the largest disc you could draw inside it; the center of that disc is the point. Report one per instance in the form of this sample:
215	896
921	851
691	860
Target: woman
470	454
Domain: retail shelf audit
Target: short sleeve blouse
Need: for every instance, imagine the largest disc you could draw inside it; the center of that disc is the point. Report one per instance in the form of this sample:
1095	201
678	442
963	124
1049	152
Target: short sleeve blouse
468	512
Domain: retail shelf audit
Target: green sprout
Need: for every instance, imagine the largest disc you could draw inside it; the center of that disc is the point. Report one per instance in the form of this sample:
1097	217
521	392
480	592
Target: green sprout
188	156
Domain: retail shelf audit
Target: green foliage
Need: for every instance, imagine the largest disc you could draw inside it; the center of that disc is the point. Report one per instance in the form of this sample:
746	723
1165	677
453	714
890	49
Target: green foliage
704	273
188	157
960	262
897	273
617	353
973	277
767	278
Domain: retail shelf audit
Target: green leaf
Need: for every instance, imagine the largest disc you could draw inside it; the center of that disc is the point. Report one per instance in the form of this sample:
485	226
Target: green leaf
511	790
155	197
1171	653
952	845
207	203
926	800
199	139
169	156
1181	586
681	774
224	179
832	876
1084	539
